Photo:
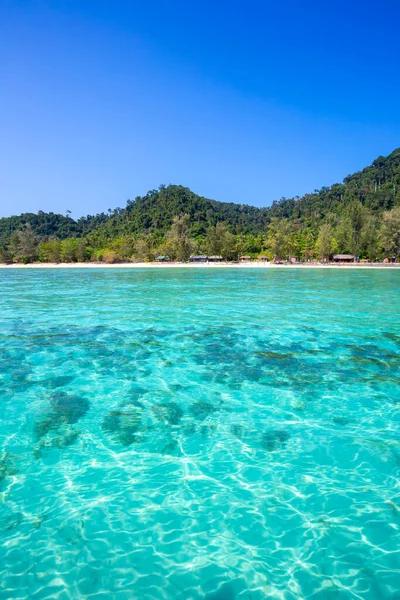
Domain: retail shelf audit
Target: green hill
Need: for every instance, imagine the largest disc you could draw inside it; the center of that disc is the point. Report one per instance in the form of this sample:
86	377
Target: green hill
377	187
352	213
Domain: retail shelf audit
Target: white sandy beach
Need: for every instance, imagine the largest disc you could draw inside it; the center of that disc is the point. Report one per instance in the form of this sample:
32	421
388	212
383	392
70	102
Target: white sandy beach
155	265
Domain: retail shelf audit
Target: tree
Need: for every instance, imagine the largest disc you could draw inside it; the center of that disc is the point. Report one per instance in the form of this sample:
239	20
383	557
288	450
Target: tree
240	245
4	255
369	238
68	250
124	247
145	248
23	245
179	237
49	251
110	256
82	252
253	244
305	243
326	243
281	239
390	232
344	236
141	249
220	242
356	214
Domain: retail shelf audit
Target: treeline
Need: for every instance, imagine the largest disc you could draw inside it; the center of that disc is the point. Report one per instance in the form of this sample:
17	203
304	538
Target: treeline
357	232
178	244
361	216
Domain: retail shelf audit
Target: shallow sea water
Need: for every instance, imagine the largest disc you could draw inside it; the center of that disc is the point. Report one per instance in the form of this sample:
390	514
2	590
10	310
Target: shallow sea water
198	434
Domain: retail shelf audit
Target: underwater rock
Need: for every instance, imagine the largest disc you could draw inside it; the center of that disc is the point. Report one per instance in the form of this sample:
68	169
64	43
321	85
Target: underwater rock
135	393
169	413
130	403
127	437
237	430
70	408
44	425
59	441
177	387
205	430
130	420
341	420
125	424
276	355
200	410
7	465
55	382
189	428
225	592
62	441
171	447
273	439
235	386
111	421
394	337
20	375
129	427
65	409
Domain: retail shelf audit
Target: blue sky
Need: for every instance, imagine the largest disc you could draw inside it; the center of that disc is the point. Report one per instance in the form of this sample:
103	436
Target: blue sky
101	101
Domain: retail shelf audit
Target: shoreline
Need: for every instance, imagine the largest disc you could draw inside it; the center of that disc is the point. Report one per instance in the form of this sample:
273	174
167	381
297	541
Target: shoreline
244	265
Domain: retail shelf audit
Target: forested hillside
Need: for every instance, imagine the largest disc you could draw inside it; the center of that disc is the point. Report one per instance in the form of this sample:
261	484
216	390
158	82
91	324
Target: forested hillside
376	187
359	216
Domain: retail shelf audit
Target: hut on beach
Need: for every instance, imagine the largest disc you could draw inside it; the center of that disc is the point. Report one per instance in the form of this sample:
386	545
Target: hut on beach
347	258
198	258
162	259
245	258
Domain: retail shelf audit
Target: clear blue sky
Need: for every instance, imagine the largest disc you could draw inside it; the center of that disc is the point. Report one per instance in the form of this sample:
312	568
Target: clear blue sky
101	101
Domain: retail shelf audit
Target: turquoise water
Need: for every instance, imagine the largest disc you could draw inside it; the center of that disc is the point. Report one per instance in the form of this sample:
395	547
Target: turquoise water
199	434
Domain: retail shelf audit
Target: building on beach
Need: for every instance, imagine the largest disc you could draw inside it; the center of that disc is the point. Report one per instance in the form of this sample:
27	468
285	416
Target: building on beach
198	258
348	258
162	259
245	258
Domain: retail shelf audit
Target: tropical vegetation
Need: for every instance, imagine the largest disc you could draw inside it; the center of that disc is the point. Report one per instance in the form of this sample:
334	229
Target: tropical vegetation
360	216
